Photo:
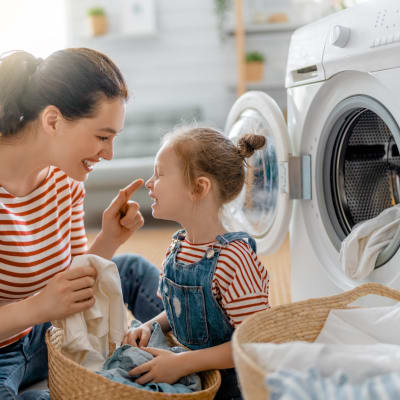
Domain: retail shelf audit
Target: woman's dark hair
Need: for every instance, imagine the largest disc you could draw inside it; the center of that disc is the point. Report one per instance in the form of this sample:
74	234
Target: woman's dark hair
73	80
205	151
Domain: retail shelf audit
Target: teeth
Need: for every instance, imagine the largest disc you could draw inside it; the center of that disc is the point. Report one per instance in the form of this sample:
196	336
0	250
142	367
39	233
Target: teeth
89	163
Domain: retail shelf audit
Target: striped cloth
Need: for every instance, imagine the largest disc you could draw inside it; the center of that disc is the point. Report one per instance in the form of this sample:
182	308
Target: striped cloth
39	235
288	384
240	283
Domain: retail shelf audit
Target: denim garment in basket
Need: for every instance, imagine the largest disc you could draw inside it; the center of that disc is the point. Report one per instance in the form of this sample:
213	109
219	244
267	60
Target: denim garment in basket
196	318
127	357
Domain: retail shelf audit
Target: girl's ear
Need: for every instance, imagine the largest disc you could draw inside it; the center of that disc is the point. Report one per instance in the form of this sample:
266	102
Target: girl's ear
50	119
202	187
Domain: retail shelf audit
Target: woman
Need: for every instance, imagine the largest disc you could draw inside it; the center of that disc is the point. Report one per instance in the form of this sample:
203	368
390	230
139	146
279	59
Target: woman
58	117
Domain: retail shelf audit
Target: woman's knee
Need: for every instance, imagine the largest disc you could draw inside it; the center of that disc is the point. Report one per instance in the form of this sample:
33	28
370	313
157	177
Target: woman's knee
133	266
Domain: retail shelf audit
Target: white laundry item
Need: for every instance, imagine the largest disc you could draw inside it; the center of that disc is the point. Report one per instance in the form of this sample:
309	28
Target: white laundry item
357	362
361	248
362	326
87	334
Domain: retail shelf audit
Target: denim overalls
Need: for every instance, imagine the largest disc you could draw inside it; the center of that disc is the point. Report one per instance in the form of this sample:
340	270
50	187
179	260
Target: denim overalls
196	318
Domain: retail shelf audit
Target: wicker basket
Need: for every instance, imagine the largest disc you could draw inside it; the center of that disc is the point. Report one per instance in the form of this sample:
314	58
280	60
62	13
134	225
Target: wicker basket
70	381
302	320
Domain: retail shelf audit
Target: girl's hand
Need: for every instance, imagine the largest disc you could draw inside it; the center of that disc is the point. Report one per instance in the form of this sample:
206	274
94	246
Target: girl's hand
138	336
122	217
166	367
66	293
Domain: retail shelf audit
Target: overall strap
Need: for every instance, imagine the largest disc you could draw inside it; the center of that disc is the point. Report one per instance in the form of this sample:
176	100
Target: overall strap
180	234
229	237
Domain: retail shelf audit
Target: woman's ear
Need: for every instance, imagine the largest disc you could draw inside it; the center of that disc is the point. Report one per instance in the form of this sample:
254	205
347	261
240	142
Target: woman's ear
202	187
50	119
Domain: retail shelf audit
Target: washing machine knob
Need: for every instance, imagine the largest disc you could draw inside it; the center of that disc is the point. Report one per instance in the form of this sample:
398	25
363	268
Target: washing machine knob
340	35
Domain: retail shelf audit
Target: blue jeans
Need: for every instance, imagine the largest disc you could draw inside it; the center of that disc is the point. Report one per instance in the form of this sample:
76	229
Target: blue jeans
25	362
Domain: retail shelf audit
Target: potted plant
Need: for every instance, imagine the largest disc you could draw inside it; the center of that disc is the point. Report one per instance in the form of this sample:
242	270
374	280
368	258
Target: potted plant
98	21
221	9
254	66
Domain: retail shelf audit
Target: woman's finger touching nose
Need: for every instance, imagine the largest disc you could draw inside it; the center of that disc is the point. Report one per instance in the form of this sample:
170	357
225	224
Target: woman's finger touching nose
149	182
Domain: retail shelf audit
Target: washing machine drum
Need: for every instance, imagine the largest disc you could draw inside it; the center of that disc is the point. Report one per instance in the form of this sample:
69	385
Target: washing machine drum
361	163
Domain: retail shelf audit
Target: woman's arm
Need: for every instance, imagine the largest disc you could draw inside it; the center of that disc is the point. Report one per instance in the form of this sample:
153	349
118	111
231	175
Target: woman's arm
66	293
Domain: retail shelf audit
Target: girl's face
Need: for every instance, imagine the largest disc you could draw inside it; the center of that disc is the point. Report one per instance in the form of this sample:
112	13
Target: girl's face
171	196
81	143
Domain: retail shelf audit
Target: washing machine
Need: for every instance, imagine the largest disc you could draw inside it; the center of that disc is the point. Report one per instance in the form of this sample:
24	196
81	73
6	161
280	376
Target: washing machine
336	162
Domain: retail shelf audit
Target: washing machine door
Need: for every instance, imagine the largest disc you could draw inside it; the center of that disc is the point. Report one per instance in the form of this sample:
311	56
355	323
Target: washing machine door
263	208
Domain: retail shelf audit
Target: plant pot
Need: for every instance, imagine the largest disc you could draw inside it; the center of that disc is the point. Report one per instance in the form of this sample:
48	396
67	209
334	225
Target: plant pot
98	24
254	71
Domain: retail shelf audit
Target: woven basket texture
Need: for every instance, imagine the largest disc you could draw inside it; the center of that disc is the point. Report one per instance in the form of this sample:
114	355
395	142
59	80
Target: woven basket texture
301	320
70	381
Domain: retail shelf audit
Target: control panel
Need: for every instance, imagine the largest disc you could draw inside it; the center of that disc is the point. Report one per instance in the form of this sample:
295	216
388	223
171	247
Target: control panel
386	26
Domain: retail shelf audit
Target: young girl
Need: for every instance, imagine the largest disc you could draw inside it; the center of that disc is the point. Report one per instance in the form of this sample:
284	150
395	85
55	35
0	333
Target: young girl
211	278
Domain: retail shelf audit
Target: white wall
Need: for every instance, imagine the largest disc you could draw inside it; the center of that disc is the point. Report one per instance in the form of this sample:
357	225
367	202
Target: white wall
184	64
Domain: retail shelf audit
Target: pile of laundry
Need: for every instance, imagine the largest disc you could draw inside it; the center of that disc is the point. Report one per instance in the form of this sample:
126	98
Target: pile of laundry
356	356
361	248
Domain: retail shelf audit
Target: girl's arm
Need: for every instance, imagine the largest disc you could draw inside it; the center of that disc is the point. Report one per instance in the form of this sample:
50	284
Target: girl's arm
168	367
162	319
140	336
217	357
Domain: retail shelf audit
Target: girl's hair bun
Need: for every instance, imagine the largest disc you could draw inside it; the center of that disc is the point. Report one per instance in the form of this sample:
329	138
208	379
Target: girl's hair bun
249	143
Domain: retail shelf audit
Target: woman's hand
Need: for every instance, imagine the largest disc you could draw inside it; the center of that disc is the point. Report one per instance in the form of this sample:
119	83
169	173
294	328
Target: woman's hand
122	217
120	220
166	367
66	293
138	337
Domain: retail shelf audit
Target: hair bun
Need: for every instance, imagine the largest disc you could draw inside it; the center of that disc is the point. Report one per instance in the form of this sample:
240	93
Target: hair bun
249	143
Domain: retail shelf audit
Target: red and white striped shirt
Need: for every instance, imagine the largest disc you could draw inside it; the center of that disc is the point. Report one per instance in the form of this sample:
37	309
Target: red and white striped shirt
240	283
39	235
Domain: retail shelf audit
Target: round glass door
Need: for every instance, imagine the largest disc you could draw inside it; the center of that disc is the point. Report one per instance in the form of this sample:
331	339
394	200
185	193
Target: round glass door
256	206
262	209
361	162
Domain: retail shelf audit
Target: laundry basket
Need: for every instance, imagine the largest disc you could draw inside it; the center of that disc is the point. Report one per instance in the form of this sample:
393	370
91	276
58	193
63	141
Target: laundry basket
302	320
70	381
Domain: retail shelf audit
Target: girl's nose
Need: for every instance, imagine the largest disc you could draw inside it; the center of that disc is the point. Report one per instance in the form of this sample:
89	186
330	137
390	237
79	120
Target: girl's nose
148	183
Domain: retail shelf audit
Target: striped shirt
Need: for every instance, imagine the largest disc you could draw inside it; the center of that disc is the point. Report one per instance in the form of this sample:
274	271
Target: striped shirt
39	235
240	283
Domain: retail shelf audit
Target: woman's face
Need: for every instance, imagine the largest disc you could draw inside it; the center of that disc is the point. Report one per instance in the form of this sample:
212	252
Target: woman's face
81	143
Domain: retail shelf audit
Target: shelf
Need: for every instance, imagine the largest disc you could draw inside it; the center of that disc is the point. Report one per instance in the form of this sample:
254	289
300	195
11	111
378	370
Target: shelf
116	36
265	86
265	28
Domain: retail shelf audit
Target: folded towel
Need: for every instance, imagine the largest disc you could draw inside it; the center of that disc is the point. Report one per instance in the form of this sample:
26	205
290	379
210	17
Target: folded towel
289	384
369	325
358	362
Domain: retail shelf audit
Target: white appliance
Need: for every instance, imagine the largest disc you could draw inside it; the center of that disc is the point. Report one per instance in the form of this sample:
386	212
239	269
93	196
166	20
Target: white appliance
337	162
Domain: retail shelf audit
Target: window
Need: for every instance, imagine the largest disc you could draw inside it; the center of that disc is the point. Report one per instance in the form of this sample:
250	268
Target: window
38	27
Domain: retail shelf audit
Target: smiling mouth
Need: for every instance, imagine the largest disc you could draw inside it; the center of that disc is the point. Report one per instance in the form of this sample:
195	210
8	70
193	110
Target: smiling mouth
154	199
88	164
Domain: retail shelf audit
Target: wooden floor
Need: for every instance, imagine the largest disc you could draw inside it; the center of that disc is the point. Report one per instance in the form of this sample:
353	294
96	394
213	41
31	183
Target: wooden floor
152	241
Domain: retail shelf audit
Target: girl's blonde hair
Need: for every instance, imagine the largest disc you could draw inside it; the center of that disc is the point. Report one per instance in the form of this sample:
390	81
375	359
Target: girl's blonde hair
207	152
